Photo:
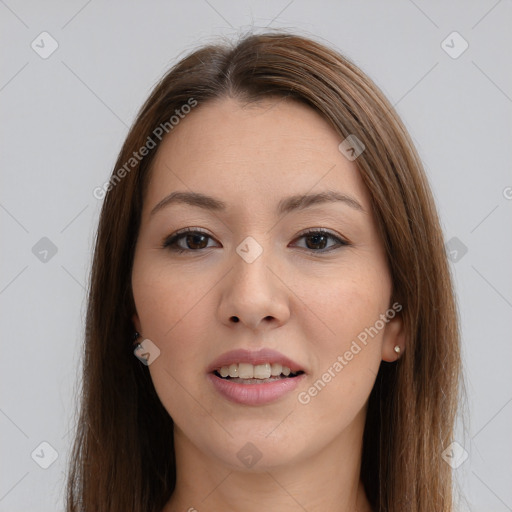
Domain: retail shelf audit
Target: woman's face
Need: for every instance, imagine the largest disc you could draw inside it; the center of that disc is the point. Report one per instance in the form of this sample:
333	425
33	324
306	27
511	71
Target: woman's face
252	280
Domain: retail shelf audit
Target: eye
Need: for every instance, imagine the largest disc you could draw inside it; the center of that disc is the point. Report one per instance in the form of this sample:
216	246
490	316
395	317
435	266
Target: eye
186	240
194	240
317	240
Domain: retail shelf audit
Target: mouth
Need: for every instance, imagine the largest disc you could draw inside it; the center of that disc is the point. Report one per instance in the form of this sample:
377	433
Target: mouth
246	373
254	378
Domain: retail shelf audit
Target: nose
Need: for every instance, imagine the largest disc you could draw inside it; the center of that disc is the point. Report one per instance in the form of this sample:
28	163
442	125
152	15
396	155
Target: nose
254	295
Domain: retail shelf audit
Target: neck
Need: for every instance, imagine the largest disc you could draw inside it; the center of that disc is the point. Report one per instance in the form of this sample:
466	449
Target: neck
328	480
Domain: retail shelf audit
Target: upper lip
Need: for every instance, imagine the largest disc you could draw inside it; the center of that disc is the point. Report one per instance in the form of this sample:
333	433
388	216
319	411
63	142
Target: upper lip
254	357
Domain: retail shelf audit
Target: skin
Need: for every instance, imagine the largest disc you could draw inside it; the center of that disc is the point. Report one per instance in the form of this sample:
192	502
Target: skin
308	305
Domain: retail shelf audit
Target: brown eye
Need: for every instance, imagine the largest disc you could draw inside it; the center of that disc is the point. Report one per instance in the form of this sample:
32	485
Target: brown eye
196	241
187	240
318	240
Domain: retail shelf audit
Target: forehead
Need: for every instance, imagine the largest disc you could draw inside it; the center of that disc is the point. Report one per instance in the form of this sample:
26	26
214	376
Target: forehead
253	153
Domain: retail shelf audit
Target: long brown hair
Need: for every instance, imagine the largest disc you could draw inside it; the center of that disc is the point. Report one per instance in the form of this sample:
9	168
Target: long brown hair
123	455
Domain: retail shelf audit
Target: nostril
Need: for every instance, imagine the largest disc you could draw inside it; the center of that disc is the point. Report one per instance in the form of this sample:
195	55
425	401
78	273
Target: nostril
235	319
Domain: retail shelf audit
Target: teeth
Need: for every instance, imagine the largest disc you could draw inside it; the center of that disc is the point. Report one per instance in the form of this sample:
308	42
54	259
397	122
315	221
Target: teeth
259	371
276	369
245	371
262	371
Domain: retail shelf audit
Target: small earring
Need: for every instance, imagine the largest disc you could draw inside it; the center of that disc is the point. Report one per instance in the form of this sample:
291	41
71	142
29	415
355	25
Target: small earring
397	349
136	336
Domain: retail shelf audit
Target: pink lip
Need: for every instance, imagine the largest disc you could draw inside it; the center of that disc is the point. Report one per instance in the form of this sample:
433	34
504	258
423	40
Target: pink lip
254	394
265	355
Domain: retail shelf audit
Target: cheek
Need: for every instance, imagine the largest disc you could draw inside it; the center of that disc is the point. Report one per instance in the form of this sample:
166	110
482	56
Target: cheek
173	310
344	303
177	374
165	297
346	338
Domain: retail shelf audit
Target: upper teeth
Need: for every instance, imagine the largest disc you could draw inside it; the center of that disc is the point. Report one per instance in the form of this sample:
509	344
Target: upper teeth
249	371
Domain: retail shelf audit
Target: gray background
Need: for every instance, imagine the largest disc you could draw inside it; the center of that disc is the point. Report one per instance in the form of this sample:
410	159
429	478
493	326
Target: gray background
64	119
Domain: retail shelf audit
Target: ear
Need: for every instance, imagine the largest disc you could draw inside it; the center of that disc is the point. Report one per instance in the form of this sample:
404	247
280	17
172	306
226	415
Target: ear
136	322
394	335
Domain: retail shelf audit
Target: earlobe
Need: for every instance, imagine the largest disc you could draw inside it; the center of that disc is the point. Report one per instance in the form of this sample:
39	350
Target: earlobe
394	340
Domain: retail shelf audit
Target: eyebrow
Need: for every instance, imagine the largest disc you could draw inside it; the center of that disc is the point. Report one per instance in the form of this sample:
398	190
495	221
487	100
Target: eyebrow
286	205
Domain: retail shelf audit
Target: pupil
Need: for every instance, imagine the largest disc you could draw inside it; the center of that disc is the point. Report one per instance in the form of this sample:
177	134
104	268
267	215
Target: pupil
192	240
316	241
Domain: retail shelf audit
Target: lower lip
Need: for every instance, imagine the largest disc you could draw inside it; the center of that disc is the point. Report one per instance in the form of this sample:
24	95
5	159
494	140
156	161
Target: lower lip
254	394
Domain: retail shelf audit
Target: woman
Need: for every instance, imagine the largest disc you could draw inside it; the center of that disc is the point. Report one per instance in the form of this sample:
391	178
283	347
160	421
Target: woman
269	241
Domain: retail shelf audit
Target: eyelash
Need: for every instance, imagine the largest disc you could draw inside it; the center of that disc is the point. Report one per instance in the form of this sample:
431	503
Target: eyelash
171	241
